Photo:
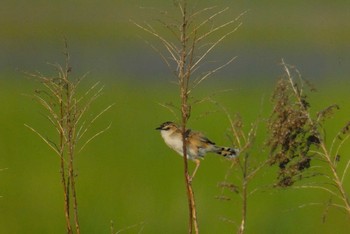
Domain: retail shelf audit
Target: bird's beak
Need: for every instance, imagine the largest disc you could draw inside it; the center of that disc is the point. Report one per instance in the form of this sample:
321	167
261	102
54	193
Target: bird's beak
159	128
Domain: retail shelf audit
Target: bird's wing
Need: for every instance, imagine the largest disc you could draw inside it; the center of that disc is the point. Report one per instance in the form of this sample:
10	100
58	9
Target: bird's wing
205	139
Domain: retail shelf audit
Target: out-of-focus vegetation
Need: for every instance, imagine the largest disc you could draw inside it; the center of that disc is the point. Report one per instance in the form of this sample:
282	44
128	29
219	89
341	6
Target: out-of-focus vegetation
127	174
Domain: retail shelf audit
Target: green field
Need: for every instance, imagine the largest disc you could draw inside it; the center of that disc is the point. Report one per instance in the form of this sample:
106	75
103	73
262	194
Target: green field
128	175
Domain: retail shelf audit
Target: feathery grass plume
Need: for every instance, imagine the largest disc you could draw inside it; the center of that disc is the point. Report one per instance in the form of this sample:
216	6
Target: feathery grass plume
66	110
193	37
297	139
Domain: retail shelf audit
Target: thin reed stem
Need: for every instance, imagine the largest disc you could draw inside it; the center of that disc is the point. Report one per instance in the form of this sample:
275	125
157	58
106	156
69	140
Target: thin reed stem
184	74
244	195
184	56
66	111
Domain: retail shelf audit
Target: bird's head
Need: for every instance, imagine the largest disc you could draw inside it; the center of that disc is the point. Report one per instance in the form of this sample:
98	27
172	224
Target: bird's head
167	126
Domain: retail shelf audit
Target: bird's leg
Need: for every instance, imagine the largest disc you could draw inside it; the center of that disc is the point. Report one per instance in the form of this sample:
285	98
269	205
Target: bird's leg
198	162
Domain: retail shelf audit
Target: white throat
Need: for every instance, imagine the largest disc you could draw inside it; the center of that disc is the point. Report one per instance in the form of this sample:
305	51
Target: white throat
173	140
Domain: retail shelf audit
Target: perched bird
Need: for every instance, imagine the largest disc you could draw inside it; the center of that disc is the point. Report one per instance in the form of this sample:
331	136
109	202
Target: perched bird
197	144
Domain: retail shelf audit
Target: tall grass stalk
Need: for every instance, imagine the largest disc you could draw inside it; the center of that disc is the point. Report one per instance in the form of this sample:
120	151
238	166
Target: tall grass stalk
247	169
328	154
66	112
298	139
185	55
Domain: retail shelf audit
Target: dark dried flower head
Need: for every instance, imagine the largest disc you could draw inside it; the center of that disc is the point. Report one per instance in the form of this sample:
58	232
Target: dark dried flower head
346	129
286	181
327	112
291	132
313	139
229	186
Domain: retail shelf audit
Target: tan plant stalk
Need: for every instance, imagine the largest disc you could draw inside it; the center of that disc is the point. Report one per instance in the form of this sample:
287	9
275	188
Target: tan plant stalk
299	139
187	53
65	111
245	141
184	78
327	155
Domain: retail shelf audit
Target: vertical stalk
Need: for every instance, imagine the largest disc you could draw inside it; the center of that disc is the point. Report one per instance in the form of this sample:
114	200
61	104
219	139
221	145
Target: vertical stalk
74	195
184	76
66	197
68	117
63	174
65	110
244	196
70	146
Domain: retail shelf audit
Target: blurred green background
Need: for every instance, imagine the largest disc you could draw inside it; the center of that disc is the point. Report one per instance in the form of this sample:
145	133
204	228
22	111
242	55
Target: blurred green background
128	175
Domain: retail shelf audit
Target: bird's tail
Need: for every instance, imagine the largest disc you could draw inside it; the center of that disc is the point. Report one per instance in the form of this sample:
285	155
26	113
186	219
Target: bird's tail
227	152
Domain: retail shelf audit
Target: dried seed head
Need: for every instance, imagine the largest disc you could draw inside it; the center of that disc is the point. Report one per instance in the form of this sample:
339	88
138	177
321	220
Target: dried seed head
291	132
346	129
327	112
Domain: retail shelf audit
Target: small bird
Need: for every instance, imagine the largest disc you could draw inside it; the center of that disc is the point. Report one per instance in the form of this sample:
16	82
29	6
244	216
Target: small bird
197	144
